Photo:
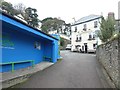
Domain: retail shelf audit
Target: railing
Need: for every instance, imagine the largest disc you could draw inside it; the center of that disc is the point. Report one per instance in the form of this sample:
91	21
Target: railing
13	63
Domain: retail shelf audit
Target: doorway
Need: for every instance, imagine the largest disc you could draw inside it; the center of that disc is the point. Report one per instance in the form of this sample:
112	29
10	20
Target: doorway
85	44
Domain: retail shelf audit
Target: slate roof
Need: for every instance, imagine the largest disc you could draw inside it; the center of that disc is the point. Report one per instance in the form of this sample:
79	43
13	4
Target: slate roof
87	19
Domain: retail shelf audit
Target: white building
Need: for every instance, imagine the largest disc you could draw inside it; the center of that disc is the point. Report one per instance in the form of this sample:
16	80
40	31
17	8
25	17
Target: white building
119	10
84	34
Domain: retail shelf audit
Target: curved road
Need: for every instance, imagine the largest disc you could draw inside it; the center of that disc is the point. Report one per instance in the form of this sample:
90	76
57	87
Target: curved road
76	70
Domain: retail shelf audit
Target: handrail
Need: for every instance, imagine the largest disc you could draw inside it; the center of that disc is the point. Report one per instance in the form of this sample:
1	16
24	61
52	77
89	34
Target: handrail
13	63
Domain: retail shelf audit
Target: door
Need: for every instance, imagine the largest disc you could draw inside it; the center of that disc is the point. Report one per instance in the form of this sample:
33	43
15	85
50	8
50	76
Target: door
85	44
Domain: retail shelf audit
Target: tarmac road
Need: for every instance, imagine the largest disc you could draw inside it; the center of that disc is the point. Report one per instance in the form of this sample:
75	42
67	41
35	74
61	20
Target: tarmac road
76	70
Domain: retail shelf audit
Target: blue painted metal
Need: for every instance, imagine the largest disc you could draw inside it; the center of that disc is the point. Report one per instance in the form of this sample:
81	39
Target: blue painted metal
0	44
19	44
58	45
18	62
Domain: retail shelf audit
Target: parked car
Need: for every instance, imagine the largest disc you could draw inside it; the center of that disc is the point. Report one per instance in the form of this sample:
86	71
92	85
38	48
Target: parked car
68	47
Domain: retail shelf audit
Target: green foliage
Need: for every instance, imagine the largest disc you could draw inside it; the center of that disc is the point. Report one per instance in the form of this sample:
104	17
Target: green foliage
8	7
46	19
20	8
31	16
51	24
62	42
107	29
59	60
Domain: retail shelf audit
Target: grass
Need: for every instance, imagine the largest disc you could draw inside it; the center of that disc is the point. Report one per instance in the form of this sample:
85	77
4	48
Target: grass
59	60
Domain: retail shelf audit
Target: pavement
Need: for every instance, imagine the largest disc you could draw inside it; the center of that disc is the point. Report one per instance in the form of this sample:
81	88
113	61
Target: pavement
12	78
76	70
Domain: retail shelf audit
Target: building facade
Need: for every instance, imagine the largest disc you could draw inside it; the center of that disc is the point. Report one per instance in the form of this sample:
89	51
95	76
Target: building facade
119	10
84	36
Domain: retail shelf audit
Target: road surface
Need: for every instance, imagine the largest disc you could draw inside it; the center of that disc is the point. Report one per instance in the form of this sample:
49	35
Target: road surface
76	70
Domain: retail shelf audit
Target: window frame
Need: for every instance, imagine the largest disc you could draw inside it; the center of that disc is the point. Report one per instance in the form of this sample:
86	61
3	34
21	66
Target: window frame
95	24
85	27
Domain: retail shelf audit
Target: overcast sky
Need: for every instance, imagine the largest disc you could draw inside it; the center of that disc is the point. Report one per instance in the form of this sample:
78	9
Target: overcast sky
67	9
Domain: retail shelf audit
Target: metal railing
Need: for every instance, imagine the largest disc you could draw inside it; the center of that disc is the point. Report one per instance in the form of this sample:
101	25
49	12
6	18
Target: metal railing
13	63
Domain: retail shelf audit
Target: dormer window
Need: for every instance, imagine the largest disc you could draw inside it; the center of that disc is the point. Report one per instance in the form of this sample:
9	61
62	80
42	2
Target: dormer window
95	24
85	27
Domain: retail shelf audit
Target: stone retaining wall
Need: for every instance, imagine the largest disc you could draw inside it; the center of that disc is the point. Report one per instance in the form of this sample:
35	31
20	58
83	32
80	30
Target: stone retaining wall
108	56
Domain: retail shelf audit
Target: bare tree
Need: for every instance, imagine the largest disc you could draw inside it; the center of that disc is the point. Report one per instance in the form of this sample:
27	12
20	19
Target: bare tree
20	8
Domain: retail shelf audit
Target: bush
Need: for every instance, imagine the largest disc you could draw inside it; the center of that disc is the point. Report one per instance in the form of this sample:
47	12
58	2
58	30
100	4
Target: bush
106	29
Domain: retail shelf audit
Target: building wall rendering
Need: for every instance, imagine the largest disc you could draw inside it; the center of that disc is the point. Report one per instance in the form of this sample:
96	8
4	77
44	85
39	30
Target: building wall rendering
119	10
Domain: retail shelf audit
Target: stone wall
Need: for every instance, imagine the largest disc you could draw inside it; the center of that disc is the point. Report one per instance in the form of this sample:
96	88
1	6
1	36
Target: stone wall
108	56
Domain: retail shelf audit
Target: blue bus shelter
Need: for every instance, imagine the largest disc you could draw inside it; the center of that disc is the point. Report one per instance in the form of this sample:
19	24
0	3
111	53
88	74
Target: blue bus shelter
22	46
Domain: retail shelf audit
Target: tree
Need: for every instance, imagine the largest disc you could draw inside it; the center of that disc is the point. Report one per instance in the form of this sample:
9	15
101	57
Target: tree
67	29
47	24
29	14
52	24
20	8
107	29
1	2
62	42
31	17
48	18
8	8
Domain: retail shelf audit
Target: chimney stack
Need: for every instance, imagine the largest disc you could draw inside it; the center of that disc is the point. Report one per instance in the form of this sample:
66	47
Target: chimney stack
111	15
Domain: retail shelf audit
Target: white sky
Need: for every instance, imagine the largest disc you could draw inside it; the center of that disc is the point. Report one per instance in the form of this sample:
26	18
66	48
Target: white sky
67	9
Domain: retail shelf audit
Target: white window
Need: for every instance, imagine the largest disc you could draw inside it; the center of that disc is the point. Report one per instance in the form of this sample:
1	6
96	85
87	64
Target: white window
76	29
37	45
95	24
94	46
85	27
78	38
90	36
